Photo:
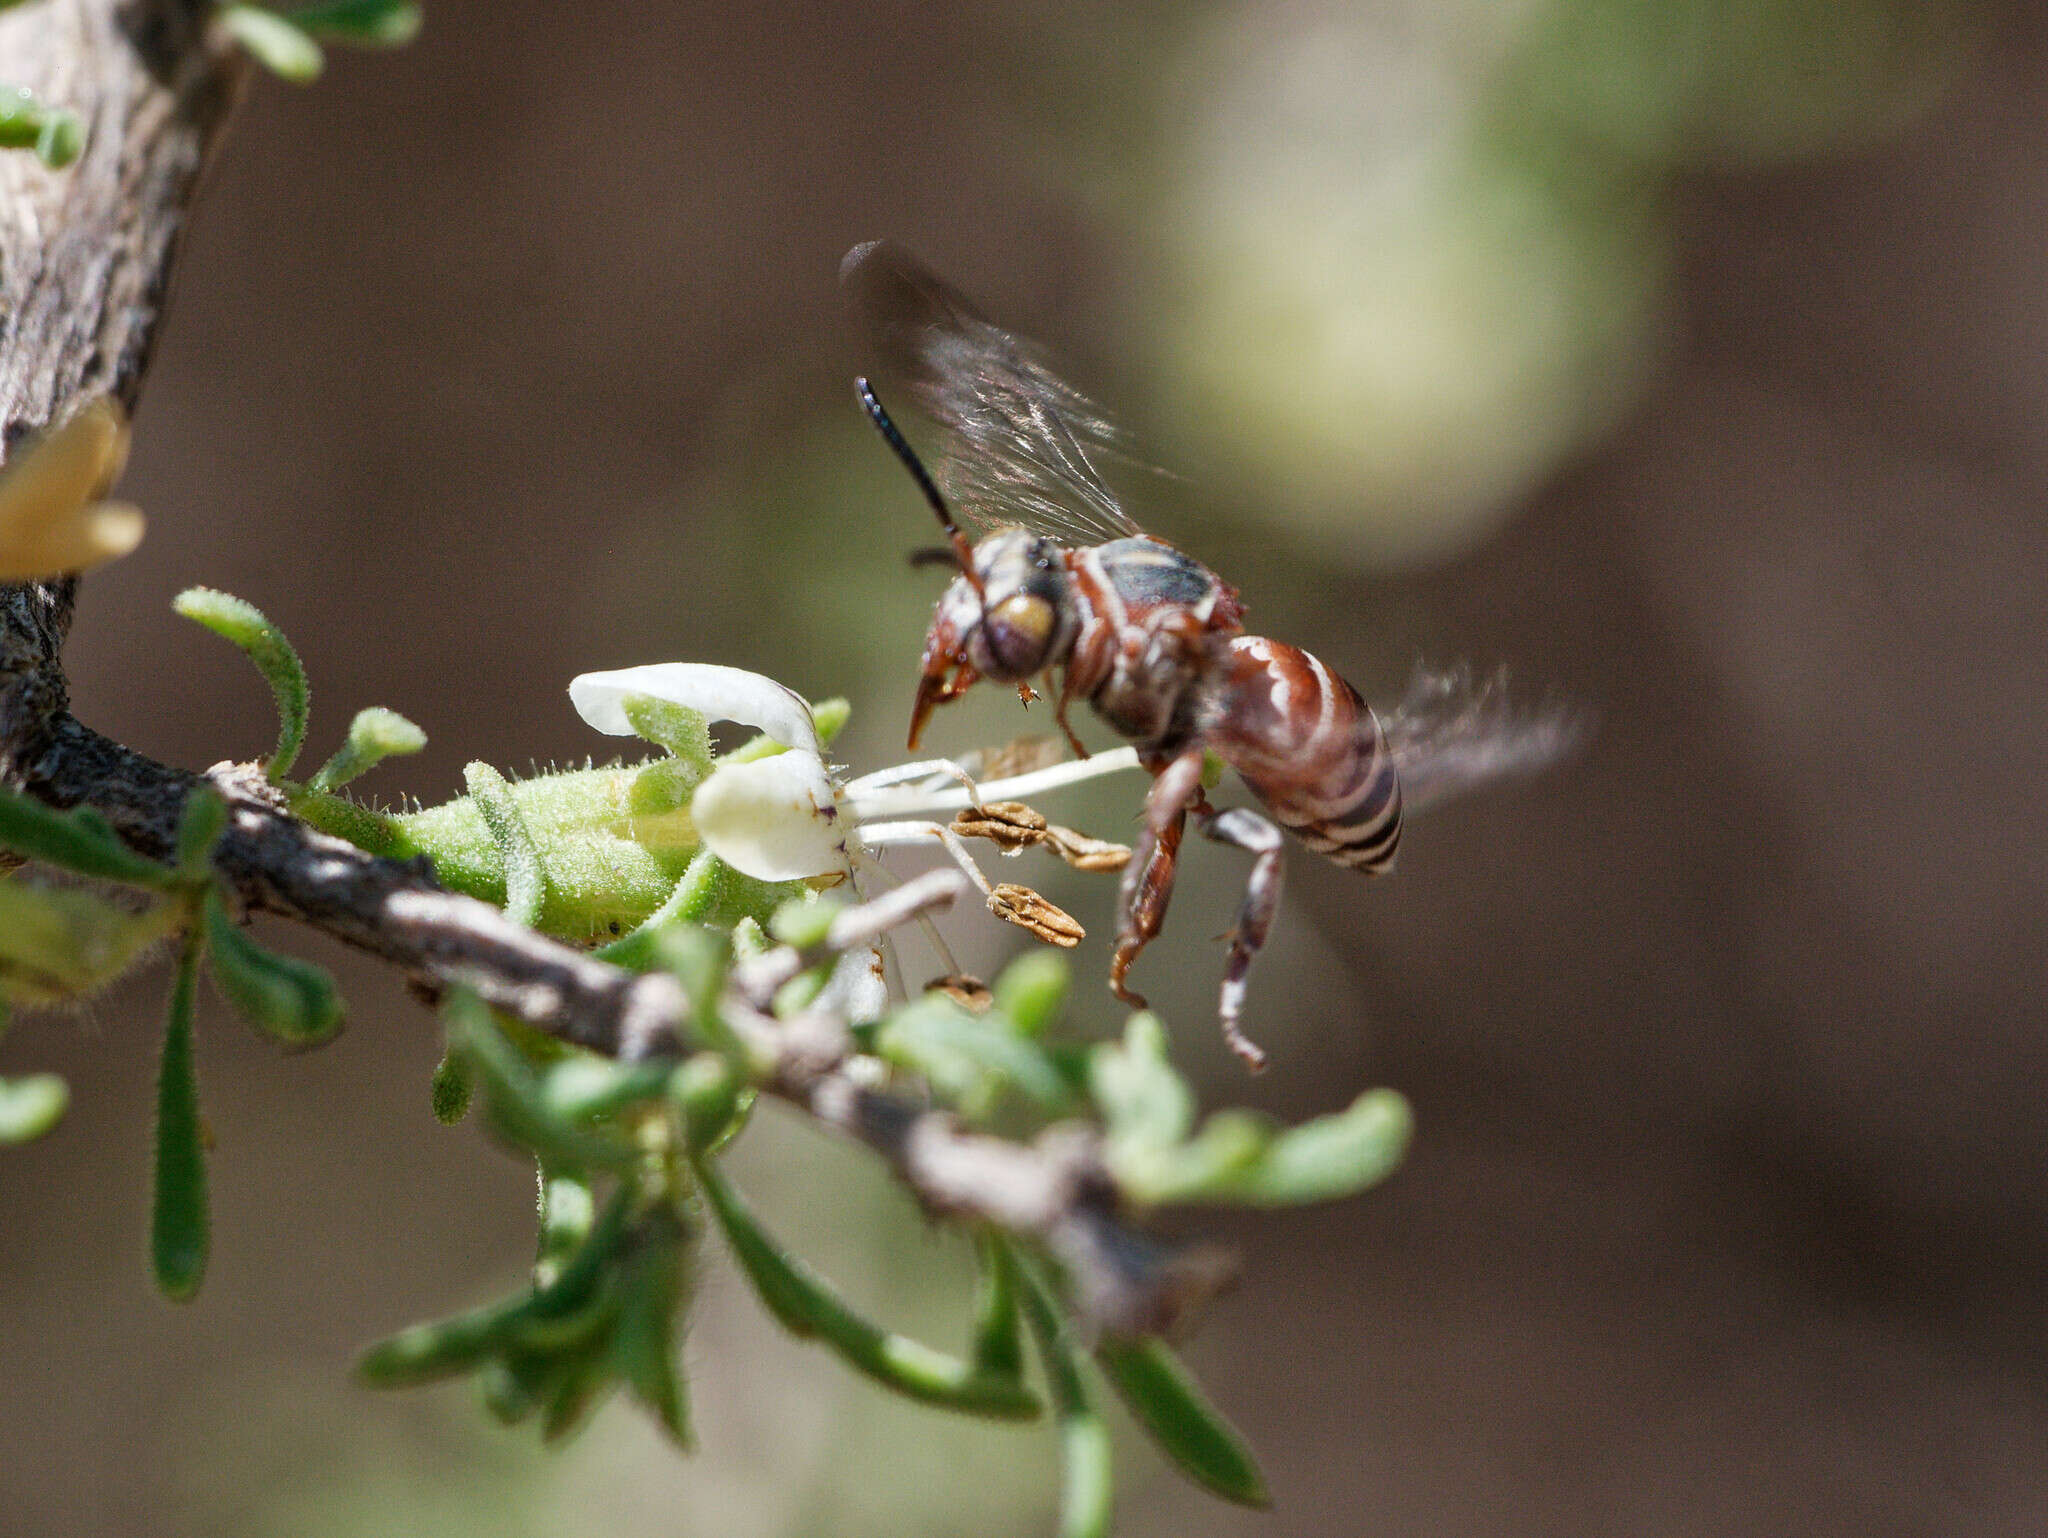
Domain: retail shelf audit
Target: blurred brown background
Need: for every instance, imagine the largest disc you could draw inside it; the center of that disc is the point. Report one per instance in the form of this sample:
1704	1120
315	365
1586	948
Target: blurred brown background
1685	357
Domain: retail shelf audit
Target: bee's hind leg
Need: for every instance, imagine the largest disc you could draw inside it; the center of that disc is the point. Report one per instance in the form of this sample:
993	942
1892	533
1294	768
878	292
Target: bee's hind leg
1247	830
1148	878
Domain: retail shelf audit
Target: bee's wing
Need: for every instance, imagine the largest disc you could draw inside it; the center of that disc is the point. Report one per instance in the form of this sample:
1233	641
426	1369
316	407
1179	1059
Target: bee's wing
1452	733
1019	440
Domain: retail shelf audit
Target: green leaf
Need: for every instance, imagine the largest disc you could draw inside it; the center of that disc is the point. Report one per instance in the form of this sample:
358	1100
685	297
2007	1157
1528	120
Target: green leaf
1031	990
708	1093
373	736
1168	1403
31	1106
517	1110
61	140
178	1224
695	894
998	1326
515	1385
804	921
830	718
27	122
807	1307
698	958
243	623
683	731
1086	1488
526	881
200	824
1146	1104
584	1088
1331	1156
366	23
965	1056
1207	1165
79	840
275	43
449	1091
293	1002
423	1353
654	1285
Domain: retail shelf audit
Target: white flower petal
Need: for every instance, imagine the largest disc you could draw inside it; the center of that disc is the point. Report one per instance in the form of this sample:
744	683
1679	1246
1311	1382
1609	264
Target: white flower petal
858	984
774	818
721	693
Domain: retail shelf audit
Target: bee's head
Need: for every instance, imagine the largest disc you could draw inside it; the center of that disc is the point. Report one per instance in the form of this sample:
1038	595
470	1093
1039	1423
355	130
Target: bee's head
1005	620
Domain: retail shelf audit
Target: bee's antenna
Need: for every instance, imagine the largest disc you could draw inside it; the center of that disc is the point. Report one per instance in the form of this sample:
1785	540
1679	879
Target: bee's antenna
963	552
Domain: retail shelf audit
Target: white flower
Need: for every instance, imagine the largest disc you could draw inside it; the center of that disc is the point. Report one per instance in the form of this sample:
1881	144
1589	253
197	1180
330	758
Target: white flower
789	816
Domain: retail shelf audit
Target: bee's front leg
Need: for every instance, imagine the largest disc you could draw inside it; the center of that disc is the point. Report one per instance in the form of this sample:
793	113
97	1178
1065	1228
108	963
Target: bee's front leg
1148	878
1245	829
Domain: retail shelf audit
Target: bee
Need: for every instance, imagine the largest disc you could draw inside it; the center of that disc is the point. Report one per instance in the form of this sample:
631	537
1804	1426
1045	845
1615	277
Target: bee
1064	588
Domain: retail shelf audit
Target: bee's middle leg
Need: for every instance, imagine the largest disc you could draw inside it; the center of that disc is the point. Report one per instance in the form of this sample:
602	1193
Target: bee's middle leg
1148	878
1245	829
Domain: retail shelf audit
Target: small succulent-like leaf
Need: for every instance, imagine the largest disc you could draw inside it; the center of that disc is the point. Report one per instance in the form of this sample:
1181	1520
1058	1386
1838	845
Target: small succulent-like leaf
26	122
1144	1101
516	1384
518	1112
583	1382
964	1055
653	1286
711	1099
584	1088
366	23
684	732
806	1306
1331	1156
293	1002
80	841
422	1353
373	736
236	620
698	958
1031	990
804	921
200	824
696	892
1170	1405
998	1326
450	1089
1086	1486
31	1106
275	43
60	140
526	881
178	1223
1207	1165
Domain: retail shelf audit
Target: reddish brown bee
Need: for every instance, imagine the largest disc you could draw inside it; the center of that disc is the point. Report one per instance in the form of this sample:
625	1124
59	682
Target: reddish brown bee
1065	588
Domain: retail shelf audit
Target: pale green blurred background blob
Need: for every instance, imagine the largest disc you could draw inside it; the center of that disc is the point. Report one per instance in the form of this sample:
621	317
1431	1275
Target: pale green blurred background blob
1417	255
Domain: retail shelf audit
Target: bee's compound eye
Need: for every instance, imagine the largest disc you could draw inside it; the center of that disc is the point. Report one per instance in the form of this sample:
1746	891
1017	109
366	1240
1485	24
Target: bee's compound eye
1019	631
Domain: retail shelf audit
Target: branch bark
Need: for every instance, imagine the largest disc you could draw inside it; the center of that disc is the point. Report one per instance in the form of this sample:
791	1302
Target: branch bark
85	264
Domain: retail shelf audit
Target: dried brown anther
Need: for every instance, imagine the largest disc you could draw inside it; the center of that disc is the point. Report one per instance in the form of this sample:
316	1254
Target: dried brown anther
1011	826
1027	910
1085	853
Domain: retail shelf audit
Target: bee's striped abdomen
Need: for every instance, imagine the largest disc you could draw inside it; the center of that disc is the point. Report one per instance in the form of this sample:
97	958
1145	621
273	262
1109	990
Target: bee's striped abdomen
1306	743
